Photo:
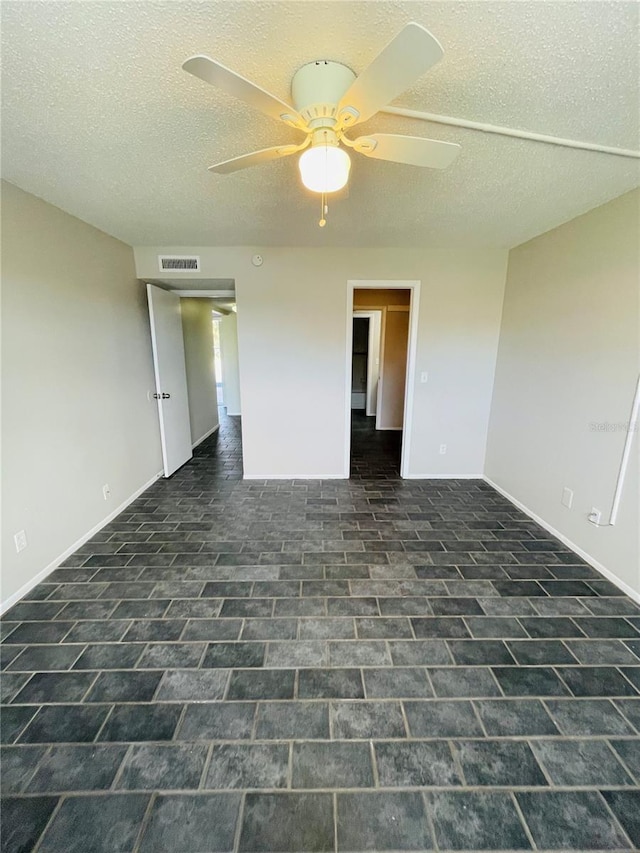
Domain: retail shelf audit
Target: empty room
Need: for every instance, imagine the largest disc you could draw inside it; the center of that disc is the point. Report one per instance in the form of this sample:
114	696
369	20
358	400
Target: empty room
320	406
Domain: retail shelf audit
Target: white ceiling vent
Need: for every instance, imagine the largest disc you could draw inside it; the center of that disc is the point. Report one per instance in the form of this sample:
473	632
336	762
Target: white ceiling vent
179	263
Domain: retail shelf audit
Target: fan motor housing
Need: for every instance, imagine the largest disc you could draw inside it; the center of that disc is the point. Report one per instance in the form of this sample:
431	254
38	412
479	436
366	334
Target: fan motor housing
317	88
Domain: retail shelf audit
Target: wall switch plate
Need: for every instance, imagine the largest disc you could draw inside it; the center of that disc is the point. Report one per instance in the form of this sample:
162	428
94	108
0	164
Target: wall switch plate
443	449
594	515
106	491
20	539
567	497
424	376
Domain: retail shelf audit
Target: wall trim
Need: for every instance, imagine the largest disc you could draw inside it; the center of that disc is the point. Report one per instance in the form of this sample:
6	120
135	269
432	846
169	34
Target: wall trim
444	477
205	436
27	587
295	477
609	575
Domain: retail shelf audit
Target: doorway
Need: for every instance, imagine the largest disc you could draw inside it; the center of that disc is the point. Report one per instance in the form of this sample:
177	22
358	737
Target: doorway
217	357
381	345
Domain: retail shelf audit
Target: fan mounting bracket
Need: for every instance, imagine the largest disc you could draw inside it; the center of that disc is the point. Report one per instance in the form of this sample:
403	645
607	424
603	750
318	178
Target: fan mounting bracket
316	90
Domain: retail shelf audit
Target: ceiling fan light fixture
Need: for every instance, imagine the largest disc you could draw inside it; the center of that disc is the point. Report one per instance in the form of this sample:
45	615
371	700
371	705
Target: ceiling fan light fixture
324	168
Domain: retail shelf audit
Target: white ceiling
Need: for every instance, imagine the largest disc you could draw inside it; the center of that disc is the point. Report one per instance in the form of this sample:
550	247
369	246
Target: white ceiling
99	118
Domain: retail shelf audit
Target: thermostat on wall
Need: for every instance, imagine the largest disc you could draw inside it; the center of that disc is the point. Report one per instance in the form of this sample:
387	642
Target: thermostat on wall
256	260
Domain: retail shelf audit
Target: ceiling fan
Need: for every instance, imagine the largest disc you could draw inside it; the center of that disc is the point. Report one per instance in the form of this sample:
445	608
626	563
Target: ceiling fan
328	100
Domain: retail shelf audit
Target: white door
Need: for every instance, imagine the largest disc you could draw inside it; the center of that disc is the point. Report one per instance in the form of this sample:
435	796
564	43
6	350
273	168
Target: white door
373	362
171	378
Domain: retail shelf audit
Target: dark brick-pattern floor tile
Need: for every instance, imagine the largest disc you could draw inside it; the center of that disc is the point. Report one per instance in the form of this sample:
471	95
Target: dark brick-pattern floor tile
365	720
419	763
498	763
328	684
248	766
203	822
209	721
227	660
508	717
626	807
161	766
400	682
85	767
596	681
65	724
587	717
435	719
574	820
332	765
45	687
13	720
22	820
382	821
124	686
96	824
184	685
580	762
476	821
629	751
18	764
261	684
141	722
286	822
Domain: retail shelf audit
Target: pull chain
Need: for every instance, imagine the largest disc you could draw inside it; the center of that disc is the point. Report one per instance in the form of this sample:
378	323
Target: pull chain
323	198
324	209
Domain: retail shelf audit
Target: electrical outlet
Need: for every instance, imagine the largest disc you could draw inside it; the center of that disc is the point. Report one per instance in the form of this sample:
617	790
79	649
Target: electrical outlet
567	497
594	515
106	491
443	449
424	376
20	539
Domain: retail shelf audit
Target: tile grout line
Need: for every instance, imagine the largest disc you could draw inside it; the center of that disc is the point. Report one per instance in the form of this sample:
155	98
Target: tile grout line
144	823
54	813
523	821
622	761
239	822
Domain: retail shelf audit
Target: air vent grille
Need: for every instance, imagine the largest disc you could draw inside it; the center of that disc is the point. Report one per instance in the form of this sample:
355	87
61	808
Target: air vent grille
179	263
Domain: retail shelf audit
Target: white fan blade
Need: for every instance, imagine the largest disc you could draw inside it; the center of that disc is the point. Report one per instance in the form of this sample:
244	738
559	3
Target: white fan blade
412	52
254	159
413	150
234	84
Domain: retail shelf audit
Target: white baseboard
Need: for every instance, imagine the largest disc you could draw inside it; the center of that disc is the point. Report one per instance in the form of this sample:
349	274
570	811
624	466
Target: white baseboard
295	477
205	436
34	581
609	575
443	477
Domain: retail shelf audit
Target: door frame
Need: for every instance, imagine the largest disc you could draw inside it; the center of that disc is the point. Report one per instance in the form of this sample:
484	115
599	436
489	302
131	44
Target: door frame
413	286
374	316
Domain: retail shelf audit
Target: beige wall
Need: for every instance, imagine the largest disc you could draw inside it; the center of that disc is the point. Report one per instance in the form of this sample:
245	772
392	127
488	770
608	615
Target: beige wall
230	363
569	359
395	342
76	368
294	369
197	330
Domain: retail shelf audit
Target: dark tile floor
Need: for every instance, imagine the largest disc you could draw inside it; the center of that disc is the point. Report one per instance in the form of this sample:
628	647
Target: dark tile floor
373	664
375	454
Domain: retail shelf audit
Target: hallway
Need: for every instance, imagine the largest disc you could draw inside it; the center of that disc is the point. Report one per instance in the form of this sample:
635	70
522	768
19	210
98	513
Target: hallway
375	454
320	665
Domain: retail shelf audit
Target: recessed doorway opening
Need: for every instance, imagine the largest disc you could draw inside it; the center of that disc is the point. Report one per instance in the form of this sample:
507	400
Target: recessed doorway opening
381	344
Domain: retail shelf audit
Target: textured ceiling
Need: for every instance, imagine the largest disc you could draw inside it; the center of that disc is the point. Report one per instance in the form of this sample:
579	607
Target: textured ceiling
99	118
